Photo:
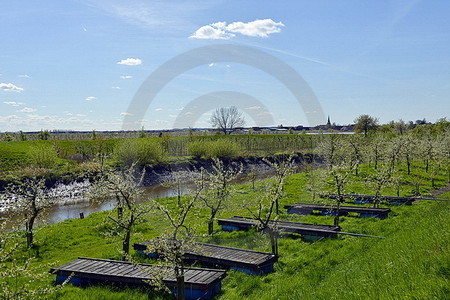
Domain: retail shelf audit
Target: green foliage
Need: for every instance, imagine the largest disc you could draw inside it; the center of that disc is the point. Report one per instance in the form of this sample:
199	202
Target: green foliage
43	156
8	137
140	151
22	136
44	135
197	149
366	124
224	149
221	148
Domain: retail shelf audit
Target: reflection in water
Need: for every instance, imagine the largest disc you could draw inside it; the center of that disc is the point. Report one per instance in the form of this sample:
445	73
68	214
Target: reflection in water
60	213
69	209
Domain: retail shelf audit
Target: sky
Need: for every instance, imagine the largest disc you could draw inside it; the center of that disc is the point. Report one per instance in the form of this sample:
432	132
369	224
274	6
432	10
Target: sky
80	64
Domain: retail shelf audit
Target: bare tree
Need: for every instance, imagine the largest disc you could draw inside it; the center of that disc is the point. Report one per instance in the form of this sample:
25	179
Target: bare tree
126	188
337	177
332	149
218	192
283	167
29	199
376	149
176	241
400	126
17	276
339	166
381	178
266	206
356	151
227	118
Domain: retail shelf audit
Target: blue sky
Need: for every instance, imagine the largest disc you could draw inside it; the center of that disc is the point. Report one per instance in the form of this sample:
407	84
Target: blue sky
78	64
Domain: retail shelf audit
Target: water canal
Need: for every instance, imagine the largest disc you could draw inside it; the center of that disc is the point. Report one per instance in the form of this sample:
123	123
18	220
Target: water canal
75	202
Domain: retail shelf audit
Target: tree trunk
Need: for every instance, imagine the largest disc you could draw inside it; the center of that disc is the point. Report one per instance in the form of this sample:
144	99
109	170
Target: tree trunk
180	282
273	241
276	207
29	231
211	221
29	238
119	213
338	208
126	244
408	164
210	226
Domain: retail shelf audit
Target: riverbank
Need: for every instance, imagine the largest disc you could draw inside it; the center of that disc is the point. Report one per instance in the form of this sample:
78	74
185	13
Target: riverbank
155	174
71	199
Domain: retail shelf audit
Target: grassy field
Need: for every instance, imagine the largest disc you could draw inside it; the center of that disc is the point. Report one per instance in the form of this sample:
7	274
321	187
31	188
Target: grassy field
412	262
18	158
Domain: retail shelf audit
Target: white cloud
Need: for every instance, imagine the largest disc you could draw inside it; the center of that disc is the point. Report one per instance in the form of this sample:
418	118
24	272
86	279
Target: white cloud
90	98
260	28
220	30
126	114
9	87
27	110
24	76
36	122
130	62
254	107
13	103
115	87
158	109
126	76
215	31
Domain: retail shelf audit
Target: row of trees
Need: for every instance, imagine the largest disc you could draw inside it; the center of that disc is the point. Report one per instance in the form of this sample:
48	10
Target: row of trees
418	155
368	124
212	192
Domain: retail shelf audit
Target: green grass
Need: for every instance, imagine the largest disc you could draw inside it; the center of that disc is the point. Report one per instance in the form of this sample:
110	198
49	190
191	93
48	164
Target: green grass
15	156
412	262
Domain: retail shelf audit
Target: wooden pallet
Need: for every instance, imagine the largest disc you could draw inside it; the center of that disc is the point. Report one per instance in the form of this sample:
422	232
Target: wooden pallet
248	261
357	198
309	208
199	283
305	229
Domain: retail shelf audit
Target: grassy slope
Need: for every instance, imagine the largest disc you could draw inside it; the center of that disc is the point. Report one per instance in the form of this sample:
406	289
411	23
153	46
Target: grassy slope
413	262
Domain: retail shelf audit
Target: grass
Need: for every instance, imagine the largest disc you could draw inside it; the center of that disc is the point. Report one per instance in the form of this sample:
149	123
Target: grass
16	156
412	262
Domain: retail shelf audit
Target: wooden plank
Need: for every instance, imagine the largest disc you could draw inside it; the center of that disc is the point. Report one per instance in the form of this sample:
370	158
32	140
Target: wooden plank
223	256
79	264
124	271
371	198
299	228
333	208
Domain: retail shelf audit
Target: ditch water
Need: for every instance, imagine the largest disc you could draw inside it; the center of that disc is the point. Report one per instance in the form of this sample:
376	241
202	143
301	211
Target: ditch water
75	203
